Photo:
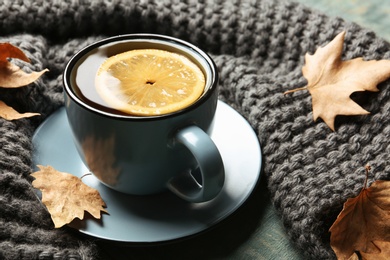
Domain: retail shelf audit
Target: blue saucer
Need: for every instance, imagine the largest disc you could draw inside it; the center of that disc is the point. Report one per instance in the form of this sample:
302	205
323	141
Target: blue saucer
161	217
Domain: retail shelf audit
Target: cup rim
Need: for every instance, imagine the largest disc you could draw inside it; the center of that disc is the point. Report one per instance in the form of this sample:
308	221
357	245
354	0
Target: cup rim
141	37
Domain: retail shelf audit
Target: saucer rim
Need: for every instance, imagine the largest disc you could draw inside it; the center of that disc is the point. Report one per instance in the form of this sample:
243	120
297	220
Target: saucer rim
236	205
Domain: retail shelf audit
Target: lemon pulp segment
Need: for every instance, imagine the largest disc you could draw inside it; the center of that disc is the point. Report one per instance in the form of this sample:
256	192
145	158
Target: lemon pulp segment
149	82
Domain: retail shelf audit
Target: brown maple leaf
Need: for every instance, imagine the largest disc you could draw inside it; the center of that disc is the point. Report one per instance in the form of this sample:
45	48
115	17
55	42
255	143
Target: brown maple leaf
11	76
383	255
331	81
363	223
66	196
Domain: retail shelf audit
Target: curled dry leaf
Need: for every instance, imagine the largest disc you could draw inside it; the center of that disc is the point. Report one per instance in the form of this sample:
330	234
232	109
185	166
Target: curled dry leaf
11	114
11	76
66	196
364	224
10	51
331	81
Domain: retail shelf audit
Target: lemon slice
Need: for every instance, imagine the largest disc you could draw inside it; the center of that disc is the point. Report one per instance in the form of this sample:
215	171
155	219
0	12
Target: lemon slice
149	82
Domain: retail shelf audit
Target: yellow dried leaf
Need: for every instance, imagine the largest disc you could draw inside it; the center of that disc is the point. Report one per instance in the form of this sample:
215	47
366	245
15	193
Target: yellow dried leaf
9	113
66	196
331	81
11	76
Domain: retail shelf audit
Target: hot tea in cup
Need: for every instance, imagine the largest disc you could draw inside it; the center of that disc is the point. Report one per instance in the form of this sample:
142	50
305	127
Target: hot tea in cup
140	108
149	82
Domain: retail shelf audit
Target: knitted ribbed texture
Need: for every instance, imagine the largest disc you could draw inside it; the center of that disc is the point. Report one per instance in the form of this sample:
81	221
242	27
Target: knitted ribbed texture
259	47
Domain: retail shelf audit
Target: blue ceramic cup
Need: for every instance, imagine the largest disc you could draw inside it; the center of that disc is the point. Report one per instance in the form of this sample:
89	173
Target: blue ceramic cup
144	155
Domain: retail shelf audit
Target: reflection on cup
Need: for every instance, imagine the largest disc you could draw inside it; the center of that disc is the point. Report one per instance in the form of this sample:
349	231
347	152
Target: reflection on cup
99	156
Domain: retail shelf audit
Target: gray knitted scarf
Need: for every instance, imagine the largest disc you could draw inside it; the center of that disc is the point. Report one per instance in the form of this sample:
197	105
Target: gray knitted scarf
259	47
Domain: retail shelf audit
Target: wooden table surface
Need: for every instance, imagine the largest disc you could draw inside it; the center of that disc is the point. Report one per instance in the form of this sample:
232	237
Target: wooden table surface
255	231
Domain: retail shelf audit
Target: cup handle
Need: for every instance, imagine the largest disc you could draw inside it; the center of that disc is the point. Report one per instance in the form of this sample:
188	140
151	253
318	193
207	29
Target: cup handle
210	165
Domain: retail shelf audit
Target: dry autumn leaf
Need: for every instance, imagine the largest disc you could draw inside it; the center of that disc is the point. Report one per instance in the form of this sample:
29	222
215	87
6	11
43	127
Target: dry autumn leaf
66	196
11	76
9	113
364	224
383	255
331	81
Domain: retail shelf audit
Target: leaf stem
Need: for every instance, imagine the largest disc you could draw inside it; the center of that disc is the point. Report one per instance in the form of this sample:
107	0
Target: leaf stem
294	90
368	168
85	175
